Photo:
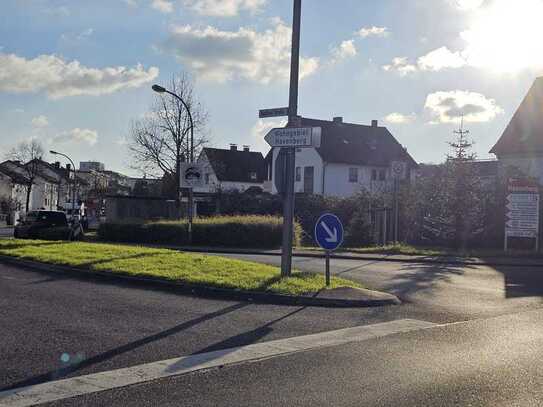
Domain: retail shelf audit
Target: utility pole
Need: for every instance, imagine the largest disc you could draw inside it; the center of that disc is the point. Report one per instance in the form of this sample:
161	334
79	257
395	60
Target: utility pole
293	121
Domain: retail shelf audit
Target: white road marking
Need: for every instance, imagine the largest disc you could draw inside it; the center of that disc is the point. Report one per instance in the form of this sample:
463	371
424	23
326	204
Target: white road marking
77	386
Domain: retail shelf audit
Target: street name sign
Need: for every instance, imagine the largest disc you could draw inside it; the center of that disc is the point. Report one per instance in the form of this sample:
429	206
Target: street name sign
277	112
294	137
192	175
329	232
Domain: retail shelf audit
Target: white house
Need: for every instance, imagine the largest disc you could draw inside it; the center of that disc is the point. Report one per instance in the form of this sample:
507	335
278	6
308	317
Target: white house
521	144
351	157
44	190
232	169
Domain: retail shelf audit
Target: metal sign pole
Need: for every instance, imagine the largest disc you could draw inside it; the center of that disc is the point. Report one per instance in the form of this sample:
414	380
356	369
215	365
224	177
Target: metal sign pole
327	271
288	207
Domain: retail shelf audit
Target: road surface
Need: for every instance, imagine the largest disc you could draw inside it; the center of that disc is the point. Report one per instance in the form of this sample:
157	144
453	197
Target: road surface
483	349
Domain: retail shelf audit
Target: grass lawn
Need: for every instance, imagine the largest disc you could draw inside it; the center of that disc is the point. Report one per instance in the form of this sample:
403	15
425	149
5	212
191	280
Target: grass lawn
195	269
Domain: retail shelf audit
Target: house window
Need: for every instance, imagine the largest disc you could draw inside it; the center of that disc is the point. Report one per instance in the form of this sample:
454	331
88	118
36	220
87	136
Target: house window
382	175
298	174
353	175
374	175
308	179
207	179
253	176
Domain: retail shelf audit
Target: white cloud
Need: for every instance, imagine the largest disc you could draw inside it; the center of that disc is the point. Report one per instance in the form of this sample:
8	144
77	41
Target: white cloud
59	78
131	3
61	11
400	65
40	122
399	118
261	128
76	135
220	56
366	32
505	36
345	50
439	59
469	4
164	6
83	35
435	60
502	36
449	107
224	8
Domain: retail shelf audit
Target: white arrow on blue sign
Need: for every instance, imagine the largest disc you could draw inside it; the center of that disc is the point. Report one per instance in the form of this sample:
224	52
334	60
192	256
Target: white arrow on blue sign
329	232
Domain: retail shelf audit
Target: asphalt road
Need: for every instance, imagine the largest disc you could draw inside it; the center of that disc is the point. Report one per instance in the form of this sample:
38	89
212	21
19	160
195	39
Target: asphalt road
492	362
463	291
113	325
101	325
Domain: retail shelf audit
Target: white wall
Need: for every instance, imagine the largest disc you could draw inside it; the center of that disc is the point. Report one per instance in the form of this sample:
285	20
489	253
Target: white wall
531	166
337	180
336	176
305	157
5	187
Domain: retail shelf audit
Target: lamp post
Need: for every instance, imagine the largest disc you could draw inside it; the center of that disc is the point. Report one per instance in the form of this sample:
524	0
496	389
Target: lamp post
160	89
73	183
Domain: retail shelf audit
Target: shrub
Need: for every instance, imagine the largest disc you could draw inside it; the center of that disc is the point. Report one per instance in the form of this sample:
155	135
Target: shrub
221	231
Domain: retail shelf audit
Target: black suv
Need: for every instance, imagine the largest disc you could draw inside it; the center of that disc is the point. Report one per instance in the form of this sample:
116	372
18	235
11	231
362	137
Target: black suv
45	225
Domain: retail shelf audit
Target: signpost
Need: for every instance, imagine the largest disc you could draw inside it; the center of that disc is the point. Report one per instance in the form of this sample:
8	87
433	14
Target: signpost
522	211
277	112
329	236
294	137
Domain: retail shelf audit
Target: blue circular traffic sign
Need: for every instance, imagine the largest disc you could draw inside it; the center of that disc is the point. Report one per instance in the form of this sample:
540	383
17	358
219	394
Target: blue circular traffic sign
329	232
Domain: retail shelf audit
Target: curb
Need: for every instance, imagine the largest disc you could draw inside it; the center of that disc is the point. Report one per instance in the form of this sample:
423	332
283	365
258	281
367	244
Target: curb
383	258
380	299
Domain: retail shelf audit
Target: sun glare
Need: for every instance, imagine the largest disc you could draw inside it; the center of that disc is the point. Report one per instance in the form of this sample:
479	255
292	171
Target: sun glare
506	36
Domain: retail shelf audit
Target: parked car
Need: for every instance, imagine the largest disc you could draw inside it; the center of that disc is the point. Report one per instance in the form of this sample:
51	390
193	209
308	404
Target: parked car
47	225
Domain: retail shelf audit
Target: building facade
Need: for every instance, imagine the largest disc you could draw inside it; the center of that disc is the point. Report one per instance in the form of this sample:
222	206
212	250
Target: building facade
351	158
521	144
231	169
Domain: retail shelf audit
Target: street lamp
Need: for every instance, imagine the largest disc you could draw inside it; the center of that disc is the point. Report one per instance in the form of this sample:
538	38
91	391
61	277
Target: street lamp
161	89
73	184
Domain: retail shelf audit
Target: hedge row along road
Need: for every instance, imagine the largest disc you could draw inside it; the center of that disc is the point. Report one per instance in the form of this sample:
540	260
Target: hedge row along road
188	268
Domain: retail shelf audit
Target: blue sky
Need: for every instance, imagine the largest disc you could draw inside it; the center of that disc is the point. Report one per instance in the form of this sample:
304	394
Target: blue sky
73	74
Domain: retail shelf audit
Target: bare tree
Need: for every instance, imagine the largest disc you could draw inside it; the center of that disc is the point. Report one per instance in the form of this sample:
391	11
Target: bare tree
160	141
28	153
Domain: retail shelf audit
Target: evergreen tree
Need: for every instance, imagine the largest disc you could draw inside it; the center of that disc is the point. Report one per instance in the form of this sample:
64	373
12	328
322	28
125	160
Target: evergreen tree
464	197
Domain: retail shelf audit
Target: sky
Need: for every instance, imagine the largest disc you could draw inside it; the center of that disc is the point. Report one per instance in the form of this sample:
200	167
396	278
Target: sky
74	73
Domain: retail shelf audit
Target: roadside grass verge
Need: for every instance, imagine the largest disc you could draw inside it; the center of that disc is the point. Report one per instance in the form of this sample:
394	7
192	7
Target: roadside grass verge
188	268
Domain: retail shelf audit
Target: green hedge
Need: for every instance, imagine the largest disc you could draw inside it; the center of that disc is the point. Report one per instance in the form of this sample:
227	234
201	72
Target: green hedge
221	231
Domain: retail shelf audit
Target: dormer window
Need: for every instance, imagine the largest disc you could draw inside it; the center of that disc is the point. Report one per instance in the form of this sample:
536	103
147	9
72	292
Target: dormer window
252	176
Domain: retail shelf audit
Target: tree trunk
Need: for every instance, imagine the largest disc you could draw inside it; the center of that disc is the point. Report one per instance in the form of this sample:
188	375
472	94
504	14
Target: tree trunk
28	191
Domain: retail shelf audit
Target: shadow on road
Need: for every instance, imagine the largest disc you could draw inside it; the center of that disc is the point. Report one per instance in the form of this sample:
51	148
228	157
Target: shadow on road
229	345
521	281
64	371
417	277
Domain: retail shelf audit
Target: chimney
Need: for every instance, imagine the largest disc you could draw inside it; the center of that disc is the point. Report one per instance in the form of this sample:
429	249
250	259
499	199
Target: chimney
374	123
57	165
233	147
68	167
246	148
338	119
